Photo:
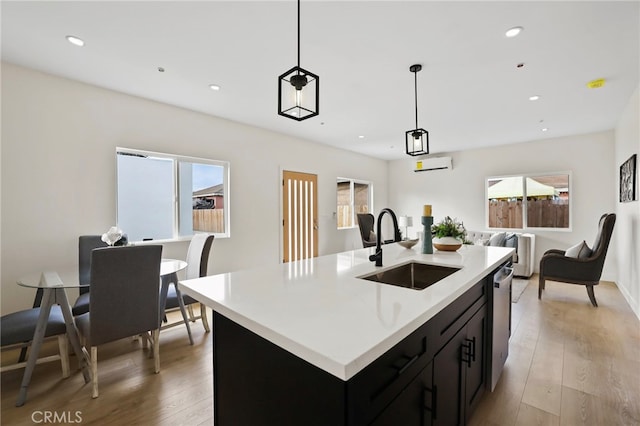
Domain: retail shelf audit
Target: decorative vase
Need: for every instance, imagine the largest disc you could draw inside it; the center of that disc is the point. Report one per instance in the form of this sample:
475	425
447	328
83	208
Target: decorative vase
447	243
427	247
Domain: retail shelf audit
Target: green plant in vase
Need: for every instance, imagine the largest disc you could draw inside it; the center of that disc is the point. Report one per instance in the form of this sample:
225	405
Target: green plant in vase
448	234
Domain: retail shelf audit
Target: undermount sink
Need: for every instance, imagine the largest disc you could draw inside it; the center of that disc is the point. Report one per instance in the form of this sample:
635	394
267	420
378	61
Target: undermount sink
415	275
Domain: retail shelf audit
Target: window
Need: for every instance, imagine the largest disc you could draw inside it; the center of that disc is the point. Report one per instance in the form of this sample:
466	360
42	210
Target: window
539	201
165	197
353	197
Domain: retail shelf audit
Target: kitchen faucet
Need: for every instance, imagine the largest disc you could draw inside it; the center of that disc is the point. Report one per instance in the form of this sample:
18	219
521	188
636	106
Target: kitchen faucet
377	257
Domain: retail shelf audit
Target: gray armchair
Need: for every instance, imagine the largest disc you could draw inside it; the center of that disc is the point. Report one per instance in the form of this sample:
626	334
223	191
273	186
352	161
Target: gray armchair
586	271
124	300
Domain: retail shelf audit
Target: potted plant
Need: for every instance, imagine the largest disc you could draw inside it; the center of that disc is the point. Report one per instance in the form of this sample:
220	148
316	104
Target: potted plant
448	234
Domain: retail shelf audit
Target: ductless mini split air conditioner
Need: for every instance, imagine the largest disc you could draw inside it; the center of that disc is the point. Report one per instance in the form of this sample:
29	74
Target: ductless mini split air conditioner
433	163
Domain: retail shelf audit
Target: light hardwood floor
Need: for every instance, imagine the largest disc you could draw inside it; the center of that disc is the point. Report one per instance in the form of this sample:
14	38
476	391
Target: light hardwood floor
569	364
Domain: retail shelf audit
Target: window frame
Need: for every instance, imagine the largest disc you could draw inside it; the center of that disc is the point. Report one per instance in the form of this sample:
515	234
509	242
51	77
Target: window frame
176	160
352	183
525	218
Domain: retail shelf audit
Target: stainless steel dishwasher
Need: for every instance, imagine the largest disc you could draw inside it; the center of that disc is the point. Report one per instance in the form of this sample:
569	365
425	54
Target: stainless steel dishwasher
501	321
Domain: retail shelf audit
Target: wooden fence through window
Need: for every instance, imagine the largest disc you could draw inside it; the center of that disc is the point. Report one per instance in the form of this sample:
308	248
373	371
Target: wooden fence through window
344	215
208	220
540	214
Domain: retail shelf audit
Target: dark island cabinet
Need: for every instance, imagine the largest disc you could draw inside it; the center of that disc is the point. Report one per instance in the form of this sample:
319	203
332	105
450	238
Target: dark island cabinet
414	405
434	376
459	372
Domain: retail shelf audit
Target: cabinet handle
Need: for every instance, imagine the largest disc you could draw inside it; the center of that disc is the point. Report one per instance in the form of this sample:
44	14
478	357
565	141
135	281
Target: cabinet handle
473	349
408	363
466	352
412	359
434	398
470	354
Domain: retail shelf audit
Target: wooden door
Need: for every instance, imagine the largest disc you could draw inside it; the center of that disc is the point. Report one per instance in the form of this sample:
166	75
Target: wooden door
300	215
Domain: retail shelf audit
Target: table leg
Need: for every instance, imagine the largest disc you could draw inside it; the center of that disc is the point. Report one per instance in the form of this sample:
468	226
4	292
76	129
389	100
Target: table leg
38	336
72	332
166	281
184	312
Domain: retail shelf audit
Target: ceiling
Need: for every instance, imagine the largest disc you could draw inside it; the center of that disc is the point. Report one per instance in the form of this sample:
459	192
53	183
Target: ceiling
470	91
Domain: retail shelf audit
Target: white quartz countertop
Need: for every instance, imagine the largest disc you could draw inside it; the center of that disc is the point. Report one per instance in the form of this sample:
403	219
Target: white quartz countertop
319	310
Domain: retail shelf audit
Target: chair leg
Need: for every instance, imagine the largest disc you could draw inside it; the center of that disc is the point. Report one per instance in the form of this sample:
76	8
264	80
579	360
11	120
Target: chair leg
592	296
540	286
145	338
63	347
192	316
94	371
203	317
156	349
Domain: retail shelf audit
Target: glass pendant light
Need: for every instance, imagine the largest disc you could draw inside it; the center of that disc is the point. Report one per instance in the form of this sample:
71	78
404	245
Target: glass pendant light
298	90
417	140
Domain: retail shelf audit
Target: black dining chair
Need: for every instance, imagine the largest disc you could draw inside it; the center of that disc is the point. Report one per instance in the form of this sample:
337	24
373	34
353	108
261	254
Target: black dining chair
124	300
197	266
365	223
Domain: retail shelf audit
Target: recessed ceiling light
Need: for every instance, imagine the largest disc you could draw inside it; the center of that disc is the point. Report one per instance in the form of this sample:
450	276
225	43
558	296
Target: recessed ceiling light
361	137
75	40
534	98
160	69
544	129
214	87
512	32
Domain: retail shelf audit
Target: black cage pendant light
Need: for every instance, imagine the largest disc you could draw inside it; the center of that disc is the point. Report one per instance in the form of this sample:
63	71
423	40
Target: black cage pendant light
417	139
298	90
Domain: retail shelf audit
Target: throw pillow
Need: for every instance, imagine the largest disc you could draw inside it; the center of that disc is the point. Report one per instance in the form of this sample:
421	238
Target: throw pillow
497	239
511	241
579	251
481	242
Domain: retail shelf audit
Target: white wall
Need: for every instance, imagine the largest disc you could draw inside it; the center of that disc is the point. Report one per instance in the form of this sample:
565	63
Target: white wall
58	174
627	143
460	192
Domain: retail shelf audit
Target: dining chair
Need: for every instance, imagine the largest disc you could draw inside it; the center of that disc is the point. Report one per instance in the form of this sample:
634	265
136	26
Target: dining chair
86	244
124	300
17	330
197	266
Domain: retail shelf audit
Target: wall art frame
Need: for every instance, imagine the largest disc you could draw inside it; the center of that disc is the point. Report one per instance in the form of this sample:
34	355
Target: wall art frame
628	180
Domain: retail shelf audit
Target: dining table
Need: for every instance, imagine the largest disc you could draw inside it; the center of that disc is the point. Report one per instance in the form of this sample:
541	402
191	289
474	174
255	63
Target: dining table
53	291
53	285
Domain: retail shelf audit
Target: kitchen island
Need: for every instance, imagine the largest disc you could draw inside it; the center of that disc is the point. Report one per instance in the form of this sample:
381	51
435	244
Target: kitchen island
310	342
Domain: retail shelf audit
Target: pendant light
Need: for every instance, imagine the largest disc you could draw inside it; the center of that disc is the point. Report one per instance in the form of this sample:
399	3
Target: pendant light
417	140
298	90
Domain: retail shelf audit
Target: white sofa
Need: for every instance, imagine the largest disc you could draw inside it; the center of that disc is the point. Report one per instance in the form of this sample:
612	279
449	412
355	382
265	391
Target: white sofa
524	257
